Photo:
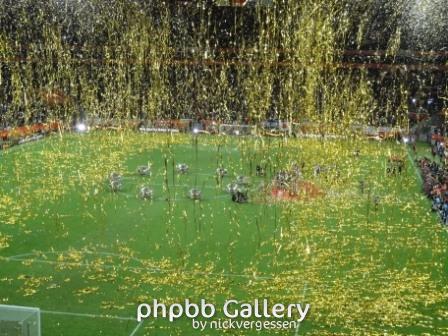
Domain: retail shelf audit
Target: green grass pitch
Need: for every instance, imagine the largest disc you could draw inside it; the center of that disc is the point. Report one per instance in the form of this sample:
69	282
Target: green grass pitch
87	256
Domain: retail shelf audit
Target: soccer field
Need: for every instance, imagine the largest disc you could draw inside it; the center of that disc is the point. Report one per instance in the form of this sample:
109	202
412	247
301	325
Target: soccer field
370	260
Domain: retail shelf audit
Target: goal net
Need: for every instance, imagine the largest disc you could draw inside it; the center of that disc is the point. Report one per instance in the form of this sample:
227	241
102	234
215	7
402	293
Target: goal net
19	321
306	129
229	129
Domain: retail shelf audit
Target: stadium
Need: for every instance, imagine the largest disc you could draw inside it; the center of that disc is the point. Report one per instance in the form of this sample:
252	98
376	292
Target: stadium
259	167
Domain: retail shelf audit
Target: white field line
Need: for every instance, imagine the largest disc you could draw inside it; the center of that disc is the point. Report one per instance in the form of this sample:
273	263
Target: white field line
173	185
110	317
19	258
417	172
176	199
38	253
134	268
134	332
305	288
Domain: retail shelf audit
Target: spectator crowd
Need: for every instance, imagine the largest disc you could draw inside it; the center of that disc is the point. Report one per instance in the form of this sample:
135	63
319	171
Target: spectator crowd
435	185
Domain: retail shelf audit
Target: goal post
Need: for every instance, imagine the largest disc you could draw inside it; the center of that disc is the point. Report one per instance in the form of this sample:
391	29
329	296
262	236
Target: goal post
238	130
19	321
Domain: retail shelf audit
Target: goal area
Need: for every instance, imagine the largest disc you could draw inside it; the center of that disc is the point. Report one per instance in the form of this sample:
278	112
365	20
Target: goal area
19	321
239	130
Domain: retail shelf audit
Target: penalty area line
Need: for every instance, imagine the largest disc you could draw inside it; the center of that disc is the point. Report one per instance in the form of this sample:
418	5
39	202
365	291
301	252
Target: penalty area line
133	268
111	317
136	329
305	288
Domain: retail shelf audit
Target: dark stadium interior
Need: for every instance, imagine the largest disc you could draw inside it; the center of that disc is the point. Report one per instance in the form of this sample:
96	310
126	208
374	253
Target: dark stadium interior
206	35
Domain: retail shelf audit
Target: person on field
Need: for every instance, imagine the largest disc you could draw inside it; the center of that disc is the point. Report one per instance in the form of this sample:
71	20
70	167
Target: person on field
434	152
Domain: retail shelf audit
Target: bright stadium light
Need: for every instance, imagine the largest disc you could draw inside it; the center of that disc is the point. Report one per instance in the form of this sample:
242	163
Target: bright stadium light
81	127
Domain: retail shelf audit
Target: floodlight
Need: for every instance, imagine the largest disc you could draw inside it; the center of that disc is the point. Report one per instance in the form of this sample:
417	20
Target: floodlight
81	127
